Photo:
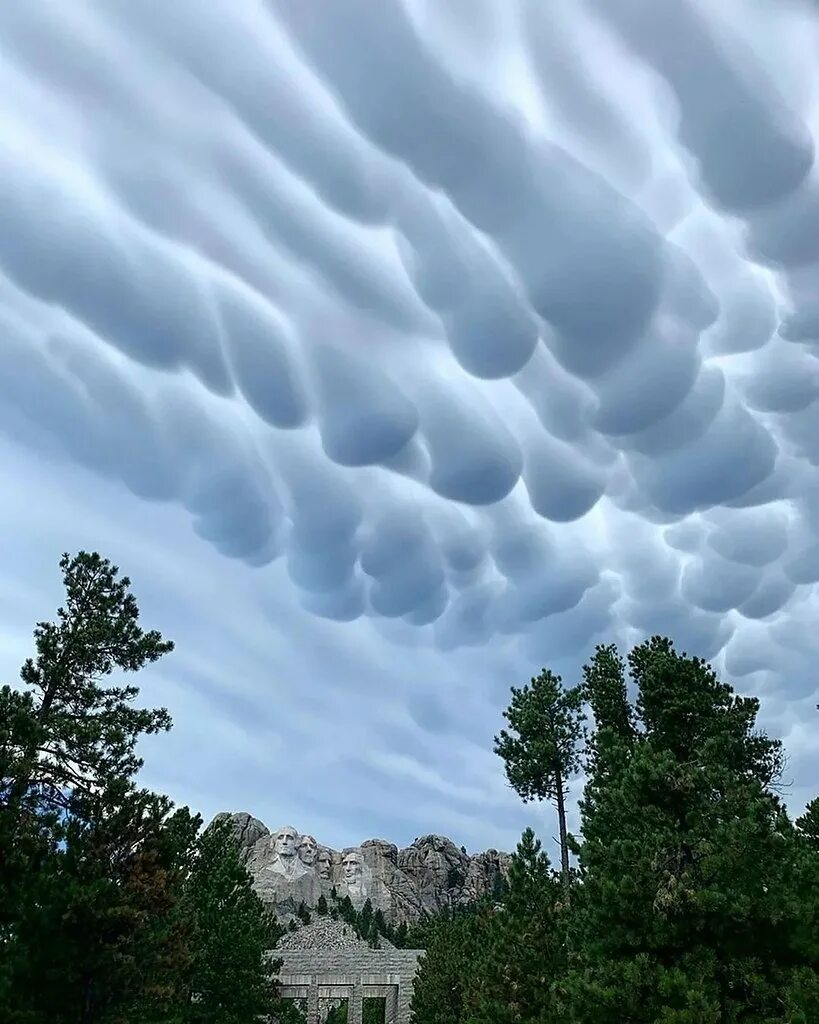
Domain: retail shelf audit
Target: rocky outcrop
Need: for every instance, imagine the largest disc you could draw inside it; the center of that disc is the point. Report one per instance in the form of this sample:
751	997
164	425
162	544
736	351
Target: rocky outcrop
249	830
323	933
430	875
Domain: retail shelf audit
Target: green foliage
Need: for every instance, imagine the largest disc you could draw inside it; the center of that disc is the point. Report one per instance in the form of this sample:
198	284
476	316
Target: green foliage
808	824
365	918
542	752
373	1011
695	903
524	953
454	945
696	898
400	937
83	731
321	906
229	976
112	909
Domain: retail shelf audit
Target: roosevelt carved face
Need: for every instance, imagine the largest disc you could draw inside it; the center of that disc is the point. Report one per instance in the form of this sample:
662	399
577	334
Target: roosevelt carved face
351	865
307	850
285	842
324	862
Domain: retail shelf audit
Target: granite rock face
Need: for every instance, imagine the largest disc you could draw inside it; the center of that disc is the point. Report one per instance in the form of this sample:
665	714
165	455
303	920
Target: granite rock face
430	875
247	828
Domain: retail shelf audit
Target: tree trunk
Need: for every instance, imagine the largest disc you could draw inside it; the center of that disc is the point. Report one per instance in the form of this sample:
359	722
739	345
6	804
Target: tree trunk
561	820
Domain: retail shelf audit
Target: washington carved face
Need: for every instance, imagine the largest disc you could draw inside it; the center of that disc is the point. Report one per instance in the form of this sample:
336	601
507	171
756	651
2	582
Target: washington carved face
307	850
285	842
351	866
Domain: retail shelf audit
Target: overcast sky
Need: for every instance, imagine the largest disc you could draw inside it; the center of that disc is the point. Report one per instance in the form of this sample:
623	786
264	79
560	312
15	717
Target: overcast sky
398	348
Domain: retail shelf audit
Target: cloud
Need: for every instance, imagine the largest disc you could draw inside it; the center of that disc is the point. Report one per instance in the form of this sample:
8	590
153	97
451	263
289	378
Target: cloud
398	352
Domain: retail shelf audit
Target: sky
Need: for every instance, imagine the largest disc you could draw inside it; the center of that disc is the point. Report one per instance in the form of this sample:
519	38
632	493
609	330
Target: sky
396	349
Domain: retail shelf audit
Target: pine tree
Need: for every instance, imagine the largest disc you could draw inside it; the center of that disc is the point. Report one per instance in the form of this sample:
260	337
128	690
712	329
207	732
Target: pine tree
321	906
523	959
230	977
808	824
453	944
75	830
84	733
365	918
542	752
694	889
401	935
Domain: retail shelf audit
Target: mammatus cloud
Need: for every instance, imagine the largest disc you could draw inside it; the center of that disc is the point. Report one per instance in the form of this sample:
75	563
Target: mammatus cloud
473	333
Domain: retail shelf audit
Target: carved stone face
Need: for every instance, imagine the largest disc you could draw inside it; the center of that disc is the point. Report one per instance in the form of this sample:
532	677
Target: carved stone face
307	850
285	842
324	862
351	865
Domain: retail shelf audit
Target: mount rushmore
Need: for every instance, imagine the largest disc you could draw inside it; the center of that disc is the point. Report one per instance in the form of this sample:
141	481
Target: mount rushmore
408	884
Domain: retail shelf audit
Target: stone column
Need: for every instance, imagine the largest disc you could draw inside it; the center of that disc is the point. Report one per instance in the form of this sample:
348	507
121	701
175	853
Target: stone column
404	999
391	1006
313	1001
355	1009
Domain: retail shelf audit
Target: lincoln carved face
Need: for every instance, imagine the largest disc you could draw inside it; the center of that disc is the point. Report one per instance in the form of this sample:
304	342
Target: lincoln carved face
285	842
351	865
307	850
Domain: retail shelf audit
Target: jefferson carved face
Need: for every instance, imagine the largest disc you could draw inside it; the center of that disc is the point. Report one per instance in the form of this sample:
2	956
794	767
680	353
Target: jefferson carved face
324	861
307	850
285	842
351	865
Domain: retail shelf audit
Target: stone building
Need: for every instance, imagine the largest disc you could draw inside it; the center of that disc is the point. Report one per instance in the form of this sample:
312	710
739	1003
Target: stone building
321	978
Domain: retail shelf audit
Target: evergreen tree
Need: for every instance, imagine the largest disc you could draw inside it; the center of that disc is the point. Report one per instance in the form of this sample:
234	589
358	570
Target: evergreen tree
808	824
523	959
321	906
84	733
112	912
372	935
365	918
74	829
694	888
230	977
541	753
303	913
453	943
106	939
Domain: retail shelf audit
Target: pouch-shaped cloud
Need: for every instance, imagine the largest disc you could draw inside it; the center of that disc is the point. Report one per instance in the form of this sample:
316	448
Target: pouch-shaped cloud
484	330
364	418
751	150
474	458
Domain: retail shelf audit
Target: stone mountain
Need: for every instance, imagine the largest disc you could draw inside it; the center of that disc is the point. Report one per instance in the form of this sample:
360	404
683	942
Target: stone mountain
408	884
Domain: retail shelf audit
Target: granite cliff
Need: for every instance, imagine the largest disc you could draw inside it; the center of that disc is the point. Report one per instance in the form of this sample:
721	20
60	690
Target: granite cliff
429	875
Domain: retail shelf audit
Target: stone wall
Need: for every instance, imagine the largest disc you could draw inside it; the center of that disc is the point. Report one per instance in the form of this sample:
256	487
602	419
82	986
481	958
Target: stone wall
320	975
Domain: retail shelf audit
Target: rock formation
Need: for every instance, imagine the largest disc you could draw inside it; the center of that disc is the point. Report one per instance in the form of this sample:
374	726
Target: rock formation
431	874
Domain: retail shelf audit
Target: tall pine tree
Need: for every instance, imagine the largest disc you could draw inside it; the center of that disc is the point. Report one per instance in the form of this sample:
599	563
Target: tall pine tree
694	893
542	751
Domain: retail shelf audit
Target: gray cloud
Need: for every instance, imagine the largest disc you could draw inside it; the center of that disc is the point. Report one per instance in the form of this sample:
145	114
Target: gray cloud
428	344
